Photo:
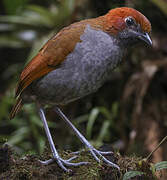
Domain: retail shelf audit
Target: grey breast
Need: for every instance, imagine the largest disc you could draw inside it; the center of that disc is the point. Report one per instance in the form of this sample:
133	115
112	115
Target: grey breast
83	71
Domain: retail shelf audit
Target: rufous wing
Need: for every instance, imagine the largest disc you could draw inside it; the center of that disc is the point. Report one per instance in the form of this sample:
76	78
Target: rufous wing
52	54
48	58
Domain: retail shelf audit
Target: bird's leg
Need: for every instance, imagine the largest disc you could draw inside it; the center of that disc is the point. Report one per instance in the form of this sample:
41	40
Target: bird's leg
98	155
61	162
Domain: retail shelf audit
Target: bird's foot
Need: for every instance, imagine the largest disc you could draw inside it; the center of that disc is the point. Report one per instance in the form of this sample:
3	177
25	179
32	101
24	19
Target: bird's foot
83	150
98	155
62	163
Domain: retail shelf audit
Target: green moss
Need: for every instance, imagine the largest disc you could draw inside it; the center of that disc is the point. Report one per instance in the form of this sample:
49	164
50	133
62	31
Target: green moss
29	168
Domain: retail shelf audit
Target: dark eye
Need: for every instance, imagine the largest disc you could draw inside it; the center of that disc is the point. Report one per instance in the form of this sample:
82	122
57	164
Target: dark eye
130	21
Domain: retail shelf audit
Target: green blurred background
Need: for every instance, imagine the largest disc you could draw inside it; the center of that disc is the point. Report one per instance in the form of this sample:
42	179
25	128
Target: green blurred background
128	112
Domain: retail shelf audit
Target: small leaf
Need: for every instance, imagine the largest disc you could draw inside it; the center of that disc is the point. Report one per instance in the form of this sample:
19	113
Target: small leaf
160	165
80	119
131	174
103	131
93	115
41	144
105	112
114	110
18	135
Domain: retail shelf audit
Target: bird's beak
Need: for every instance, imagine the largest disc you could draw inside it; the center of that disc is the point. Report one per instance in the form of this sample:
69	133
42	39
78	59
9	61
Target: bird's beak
146	38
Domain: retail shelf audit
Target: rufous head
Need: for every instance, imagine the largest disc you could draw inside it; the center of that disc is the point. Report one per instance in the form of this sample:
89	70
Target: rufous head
128	24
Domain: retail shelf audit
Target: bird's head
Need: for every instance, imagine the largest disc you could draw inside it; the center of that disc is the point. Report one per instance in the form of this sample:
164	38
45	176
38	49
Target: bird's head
128	25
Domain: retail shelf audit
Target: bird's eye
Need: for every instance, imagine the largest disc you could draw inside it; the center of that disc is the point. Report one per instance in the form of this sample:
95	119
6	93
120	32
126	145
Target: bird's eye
130	21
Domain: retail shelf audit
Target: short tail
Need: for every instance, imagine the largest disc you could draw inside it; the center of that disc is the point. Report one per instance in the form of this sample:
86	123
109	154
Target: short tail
16	108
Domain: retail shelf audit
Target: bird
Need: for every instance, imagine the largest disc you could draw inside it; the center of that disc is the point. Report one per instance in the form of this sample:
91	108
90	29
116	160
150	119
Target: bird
76	62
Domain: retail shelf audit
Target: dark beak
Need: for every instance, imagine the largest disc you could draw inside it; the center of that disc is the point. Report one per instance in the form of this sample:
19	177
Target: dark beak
146	38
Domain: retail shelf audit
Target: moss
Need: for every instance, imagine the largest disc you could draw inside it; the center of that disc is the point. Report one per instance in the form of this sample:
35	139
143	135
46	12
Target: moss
29	168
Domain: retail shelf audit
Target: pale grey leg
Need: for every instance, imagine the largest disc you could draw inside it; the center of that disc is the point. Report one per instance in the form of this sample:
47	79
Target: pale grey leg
61	162
95	153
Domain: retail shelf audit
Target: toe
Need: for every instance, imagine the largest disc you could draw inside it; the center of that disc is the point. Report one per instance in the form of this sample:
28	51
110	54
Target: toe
72	158
98	155
110	163
74	164
46	162
105	153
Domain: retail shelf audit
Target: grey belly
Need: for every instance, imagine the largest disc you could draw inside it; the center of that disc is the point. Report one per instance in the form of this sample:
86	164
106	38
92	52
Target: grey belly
63	86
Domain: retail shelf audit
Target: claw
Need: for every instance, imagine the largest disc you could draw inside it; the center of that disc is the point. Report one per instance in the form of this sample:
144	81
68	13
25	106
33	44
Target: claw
62	163
95	153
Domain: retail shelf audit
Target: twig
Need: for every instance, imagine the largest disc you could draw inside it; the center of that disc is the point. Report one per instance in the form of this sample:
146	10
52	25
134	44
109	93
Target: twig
162	141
